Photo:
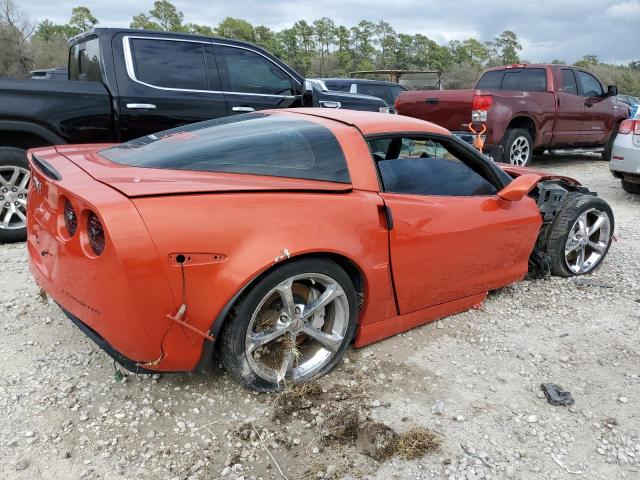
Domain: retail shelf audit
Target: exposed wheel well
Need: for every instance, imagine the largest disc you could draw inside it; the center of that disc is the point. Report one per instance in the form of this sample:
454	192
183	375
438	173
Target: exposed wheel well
24	140
353	271
525	123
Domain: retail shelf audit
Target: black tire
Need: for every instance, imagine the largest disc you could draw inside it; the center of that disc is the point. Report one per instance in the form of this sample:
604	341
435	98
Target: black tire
631	187
575	205
539	151
510	137
13	157
231	346
608	148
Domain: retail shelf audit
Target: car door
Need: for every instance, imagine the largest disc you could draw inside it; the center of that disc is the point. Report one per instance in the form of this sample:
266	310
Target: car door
571	108
598	112
452	236
252	81
165	83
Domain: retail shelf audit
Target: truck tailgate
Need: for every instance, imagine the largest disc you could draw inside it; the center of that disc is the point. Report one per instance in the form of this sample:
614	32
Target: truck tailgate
447	108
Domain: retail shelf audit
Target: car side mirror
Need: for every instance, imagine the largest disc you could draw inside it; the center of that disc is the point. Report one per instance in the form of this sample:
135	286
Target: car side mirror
612	91
307	94
519	187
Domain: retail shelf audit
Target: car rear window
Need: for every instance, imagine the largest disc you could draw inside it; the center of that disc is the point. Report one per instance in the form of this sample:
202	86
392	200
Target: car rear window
253	143
490	80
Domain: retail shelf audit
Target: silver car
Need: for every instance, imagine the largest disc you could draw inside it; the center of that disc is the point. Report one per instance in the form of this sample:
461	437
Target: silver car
625	156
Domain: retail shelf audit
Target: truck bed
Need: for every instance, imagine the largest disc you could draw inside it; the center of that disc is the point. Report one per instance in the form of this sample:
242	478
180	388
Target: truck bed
78	111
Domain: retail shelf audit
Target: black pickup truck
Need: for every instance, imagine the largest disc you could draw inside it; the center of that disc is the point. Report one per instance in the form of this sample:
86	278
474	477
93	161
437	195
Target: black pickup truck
126	84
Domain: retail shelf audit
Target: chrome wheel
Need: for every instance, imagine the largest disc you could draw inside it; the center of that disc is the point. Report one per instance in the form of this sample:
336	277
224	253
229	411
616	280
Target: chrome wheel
520	151
14	182
297	328
588	240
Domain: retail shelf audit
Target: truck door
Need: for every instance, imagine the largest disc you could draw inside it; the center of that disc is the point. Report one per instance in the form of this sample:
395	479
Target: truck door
570	109
165	83
252	81
598	112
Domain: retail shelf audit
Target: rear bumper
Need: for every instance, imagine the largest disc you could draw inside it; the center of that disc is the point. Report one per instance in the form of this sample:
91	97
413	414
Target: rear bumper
126	362
625	156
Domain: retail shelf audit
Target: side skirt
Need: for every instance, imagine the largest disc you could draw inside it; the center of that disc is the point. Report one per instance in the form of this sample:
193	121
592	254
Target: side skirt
373	332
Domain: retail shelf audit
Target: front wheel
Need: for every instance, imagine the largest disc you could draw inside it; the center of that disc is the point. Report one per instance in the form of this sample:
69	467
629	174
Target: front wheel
293	326
517	147
580	236
14	183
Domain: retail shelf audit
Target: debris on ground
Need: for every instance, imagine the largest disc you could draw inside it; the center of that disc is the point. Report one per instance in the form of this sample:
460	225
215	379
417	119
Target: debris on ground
416	443
377	440
556	395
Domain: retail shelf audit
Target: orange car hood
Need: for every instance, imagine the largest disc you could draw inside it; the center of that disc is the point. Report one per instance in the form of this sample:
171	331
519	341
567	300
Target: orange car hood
139	182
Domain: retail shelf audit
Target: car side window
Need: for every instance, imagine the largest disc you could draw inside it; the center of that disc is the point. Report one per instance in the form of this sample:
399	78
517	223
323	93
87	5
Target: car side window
569	84
425	166
244	71
169	64
591	87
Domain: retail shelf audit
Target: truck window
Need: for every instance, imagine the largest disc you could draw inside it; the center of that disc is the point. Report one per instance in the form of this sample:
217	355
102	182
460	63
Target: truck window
569	84
244	71
374	90
338	87
84	61
590	85
525	79
169	64
490	80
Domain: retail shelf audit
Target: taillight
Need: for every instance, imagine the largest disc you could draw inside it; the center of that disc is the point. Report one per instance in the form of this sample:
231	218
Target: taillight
95	233
480	107
628	126
70	218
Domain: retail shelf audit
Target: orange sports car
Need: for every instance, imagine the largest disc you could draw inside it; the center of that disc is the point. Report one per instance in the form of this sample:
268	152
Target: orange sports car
276	239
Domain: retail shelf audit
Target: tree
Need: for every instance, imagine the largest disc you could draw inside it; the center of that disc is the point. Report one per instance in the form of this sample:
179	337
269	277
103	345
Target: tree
387	39
325	36
163	16
344	54
363	36
82	19
269	40
477	53
237	29
508	46
15	30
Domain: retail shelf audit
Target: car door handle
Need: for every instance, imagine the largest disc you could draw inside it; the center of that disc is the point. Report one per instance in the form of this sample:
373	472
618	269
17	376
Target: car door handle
432	101
141	106
243	109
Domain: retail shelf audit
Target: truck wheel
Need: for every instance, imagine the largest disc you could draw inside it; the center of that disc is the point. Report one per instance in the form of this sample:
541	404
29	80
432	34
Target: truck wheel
293	326
14	182
517	147
608	148
580	235
630	187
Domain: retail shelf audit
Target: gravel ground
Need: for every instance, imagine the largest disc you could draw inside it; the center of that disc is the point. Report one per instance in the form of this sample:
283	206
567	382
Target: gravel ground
473	379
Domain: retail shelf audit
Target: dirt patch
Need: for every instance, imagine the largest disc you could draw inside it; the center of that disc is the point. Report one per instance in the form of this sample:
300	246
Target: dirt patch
416	443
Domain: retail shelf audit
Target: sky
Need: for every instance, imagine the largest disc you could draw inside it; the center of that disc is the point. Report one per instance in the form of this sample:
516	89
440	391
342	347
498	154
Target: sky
548	29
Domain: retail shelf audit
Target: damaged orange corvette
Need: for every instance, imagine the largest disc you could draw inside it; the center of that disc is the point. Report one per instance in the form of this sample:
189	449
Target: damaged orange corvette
276	239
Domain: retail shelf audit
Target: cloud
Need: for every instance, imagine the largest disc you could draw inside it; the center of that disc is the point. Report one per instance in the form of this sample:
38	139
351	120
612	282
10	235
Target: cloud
548	29
629	11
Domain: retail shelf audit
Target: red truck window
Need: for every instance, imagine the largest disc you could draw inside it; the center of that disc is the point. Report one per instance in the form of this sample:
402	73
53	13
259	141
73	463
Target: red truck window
523	79
569	84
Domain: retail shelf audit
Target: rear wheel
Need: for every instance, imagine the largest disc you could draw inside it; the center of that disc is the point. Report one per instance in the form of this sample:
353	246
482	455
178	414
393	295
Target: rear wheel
630	187
517	147
293	326
14	182
580	236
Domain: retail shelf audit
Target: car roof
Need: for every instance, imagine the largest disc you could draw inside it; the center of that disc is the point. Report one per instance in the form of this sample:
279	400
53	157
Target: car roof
370	123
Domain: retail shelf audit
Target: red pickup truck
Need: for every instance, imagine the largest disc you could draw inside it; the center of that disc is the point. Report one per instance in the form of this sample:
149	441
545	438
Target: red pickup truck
526	109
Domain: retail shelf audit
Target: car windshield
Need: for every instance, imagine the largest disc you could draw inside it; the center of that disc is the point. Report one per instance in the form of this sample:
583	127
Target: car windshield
254	143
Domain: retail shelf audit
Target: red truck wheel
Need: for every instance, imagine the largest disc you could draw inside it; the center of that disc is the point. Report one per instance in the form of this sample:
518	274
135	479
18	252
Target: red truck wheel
517	147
